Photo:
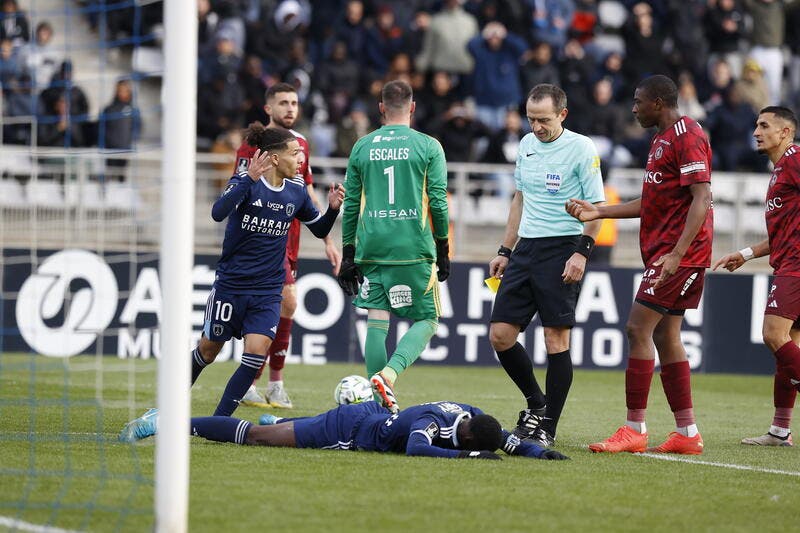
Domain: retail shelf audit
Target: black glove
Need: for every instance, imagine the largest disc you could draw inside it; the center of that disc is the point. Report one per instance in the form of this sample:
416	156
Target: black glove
482	454
349	274
443	258
553	455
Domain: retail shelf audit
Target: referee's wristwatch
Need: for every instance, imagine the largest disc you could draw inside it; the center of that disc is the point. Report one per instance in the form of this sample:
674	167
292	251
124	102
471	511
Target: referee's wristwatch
504	251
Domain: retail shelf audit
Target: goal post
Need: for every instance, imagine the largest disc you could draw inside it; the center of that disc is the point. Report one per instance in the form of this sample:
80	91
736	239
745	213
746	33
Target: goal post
176	262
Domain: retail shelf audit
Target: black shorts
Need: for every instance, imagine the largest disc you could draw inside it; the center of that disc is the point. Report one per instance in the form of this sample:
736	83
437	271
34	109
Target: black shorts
532	284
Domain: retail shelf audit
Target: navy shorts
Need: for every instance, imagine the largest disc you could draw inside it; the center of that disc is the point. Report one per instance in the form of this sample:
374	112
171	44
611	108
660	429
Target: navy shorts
334	429
532	284
235	315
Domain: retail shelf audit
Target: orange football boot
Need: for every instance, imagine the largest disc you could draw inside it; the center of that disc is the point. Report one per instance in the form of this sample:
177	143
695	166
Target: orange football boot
677	443
626	439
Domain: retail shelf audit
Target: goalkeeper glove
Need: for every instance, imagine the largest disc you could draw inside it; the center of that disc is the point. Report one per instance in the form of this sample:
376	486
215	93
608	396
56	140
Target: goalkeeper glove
443	258
350	275
478	454
553	455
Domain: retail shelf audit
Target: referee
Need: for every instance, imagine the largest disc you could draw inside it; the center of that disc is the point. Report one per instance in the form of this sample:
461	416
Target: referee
543	272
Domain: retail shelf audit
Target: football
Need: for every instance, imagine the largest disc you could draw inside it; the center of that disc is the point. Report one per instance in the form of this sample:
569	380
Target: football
352	389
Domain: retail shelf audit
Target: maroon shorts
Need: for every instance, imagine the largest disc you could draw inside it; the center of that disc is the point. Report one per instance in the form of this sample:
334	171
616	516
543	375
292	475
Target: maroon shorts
681	291
291	270
784	298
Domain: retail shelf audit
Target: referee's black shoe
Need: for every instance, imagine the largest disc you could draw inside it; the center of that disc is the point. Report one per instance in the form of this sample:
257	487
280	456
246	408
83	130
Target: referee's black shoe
529	420
542	437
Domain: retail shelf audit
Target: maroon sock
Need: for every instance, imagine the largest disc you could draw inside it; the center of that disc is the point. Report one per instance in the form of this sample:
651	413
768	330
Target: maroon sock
783	396
278	348
638	377
788	357
677	382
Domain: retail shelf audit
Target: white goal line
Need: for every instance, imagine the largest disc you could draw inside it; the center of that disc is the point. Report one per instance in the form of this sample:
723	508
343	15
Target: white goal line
718	465
21	525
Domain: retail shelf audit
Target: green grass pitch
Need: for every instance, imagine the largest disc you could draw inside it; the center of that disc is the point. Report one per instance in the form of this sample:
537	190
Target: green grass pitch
58	445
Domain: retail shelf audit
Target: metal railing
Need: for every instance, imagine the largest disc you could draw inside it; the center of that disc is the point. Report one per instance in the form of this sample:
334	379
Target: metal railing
57	197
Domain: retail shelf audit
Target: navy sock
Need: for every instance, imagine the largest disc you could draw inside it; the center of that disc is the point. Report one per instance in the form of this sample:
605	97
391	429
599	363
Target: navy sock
221	428
240	381
519	368
559	380
197	364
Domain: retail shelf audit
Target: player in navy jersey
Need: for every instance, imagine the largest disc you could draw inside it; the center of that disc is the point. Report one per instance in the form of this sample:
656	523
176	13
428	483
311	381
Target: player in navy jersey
675	239
260	203
774	133
438	429
282	108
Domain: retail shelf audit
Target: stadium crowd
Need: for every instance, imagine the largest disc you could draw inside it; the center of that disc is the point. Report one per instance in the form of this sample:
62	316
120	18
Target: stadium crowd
470	62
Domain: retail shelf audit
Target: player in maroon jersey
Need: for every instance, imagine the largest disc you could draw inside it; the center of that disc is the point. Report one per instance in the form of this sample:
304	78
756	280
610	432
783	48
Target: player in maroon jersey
774	134
675	240
282	109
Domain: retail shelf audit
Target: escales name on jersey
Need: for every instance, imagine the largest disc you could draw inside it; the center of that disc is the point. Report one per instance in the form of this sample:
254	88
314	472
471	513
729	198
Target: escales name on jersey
389	154
265	225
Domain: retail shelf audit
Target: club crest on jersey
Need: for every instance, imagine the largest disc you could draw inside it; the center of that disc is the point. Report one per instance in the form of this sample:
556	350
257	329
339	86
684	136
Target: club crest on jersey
773	178
432	430
289	209
552	183
241	165
400	296
659	152
218	329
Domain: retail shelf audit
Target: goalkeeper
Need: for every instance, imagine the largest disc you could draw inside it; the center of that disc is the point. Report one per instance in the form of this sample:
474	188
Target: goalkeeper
438	429
394	227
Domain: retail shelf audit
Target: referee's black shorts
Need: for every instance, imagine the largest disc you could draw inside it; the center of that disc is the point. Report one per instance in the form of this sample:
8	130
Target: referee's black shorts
532	284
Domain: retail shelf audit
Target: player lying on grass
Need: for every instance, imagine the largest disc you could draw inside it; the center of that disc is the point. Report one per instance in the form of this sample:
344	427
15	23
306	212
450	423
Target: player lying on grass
438	429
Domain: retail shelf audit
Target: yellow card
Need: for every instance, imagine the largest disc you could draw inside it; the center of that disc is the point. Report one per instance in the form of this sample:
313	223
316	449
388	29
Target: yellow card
493	283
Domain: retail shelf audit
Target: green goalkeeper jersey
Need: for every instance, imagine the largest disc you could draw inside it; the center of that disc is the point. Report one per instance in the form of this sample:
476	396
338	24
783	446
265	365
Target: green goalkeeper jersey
396	199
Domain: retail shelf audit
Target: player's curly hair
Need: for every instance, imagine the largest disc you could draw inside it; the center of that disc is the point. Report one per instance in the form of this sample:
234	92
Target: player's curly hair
486	433
267	139
254	133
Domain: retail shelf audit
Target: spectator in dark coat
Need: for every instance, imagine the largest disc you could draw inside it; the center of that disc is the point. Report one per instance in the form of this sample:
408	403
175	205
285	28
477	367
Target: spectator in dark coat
434	101
353	31
338	79
496	80
725	27
14	23
18	102
384	40
644	43
538	67
57	128
119	124
730	128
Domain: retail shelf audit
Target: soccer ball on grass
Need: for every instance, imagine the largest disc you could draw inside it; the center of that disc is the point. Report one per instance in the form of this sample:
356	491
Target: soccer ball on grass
352	389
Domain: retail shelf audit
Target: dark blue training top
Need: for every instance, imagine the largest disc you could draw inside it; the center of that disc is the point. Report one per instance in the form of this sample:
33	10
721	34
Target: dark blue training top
259	216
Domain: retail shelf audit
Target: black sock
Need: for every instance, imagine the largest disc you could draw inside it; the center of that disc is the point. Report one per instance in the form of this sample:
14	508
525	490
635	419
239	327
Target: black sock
558	381
198	364
519	368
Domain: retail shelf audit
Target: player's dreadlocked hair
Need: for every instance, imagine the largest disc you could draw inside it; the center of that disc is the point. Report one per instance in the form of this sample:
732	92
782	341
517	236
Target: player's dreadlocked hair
254	133
486	433
268	139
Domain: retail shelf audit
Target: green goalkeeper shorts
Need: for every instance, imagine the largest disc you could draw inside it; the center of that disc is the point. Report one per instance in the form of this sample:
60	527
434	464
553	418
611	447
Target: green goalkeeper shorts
408	291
